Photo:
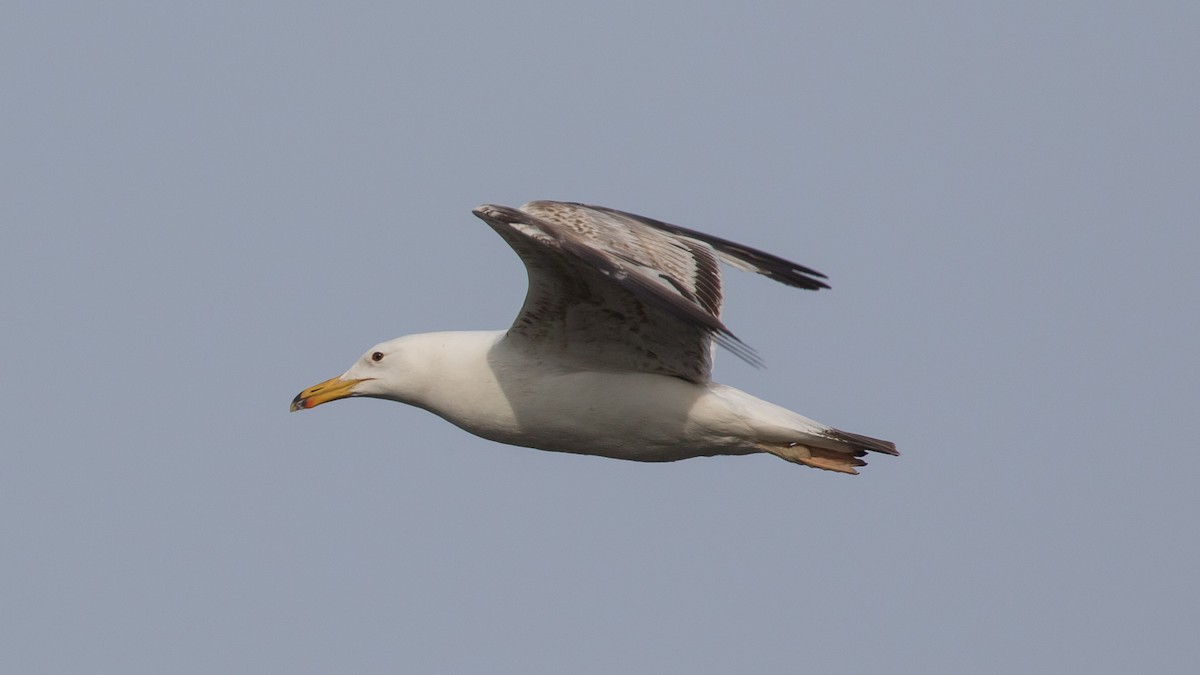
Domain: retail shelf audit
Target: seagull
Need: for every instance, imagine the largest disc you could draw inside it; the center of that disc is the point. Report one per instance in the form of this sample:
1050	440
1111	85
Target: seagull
611	353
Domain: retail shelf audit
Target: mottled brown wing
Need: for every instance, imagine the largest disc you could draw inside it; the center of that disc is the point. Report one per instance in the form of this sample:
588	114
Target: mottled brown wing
616	290
597	293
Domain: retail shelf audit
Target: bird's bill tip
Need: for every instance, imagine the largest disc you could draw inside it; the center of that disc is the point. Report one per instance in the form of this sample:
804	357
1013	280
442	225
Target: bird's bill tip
329	390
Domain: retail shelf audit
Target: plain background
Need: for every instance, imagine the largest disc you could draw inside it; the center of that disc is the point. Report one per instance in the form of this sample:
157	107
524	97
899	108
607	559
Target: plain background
209	207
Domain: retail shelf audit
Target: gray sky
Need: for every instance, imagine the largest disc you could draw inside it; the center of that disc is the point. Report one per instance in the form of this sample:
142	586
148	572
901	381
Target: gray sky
206	209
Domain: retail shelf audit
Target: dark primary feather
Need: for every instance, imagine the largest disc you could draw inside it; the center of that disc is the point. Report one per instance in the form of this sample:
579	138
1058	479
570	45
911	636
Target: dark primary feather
769	265
627	292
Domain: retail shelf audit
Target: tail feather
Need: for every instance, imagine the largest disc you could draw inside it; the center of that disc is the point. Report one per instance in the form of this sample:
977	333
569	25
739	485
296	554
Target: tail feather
839	451
818	458
860	442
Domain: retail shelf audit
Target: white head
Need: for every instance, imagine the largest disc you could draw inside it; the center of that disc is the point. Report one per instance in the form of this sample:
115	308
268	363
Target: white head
393	370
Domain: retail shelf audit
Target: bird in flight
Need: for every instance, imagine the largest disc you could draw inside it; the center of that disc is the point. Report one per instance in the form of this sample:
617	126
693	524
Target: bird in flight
610	355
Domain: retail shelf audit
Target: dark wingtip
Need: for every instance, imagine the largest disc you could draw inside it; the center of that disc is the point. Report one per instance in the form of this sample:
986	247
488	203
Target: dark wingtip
767	264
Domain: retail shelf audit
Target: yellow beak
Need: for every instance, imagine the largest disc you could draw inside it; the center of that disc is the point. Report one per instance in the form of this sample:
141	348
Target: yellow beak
329	390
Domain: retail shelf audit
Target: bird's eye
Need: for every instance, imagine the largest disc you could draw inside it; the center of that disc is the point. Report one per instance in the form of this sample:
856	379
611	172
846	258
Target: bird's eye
377	356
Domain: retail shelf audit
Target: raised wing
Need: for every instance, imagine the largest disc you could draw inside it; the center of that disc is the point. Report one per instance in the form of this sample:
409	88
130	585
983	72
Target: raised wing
744	258
616	290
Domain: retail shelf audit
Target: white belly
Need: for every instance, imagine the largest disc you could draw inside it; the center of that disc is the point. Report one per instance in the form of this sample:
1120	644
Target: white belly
642	417
510	398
